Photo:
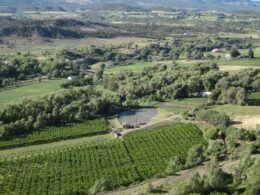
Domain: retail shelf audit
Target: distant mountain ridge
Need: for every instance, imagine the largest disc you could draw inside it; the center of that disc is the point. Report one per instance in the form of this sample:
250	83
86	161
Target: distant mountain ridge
89	4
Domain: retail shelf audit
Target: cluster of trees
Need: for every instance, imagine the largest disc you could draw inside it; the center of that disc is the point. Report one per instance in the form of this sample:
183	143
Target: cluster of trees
14	69
18	68
159	82
245	180
233	88
60	28
54	109
223	143
161	50
162	82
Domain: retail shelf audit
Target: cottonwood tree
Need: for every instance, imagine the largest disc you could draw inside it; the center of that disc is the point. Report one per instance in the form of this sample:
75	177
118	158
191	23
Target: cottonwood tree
251	53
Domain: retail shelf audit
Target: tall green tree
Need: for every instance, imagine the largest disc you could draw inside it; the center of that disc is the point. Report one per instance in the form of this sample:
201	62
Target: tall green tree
251	53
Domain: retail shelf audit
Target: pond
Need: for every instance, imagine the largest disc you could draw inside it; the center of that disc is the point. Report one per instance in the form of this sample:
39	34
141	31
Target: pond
136	117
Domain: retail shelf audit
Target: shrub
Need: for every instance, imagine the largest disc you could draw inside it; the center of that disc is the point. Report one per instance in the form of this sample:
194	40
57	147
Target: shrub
100	186
216	148
195	156
213	117
211	133
234	53
175	164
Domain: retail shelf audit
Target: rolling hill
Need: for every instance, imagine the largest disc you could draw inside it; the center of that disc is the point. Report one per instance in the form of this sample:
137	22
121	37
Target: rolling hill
83	4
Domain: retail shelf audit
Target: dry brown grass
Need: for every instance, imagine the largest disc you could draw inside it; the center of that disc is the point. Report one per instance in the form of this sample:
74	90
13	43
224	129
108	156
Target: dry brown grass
247	122
234	68
38	45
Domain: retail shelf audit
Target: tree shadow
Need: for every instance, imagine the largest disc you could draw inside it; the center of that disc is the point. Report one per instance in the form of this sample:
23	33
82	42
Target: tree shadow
233	122
254	102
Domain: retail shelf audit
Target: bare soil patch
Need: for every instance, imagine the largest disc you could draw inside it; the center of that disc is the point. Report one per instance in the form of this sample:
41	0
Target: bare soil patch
247	121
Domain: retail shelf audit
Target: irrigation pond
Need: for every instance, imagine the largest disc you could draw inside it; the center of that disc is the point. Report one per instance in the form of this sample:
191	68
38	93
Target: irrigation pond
135	117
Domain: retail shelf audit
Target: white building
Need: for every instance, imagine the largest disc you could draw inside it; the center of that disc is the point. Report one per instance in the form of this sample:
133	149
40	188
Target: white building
202	94
70	78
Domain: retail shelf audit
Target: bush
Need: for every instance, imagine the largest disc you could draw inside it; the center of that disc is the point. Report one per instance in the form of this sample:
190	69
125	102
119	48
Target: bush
176	164
253	179
195	156
100	186
148	188
216	180
216	148
234	53
211	133
213	117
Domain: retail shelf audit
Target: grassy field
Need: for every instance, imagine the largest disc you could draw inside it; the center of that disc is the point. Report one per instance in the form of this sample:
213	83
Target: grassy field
235	110
240	62
255	96
191	101
33	90
180	106
240	35
224	65
243	116
139	66
244	52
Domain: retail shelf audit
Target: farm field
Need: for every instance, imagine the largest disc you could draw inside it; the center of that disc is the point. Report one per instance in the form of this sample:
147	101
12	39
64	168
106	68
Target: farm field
38	46
52	134
54	146
133	159
182	105
224	65
243	116
139	66
32	90
99	97
136	67
240	62
240	35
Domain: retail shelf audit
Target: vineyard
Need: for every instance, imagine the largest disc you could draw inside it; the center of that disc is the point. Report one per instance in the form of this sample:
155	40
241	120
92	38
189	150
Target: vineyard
152	150
51	134
121	162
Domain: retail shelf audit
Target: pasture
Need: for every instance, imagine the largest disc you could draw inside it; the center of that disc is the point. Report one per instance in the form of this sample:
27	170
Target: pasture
240	62
139	66
243	116
33	90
